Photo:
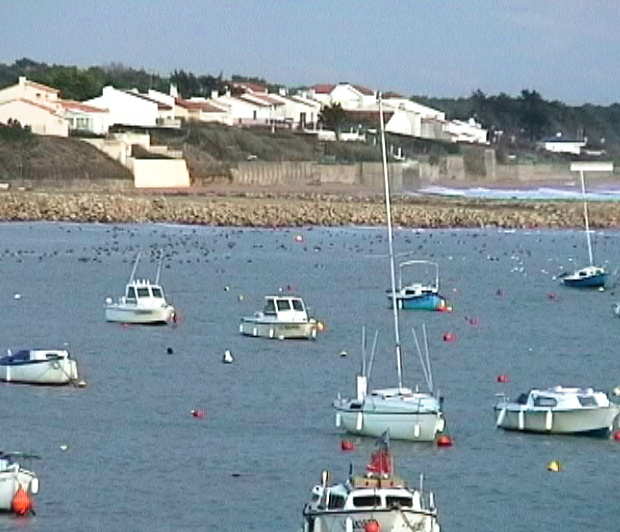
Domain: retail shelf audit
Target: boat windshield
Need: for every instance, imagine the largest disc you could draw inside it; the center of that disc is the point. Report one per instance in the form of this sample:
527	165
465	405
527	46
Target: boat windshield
298	305
143	292
392	500
131	292
541	400
366	501
270	307
157	292
283	304
587	400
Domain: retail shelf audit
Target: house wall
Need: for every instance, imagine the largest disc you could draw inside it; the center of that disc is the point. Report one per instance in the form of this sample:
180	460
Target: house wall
41	121
126	109
22	89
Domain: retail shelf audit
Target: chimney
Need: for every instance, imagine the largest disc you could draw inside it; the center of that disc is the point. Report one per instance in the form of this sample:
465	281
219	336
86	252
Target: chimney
214	95
174	91
21	80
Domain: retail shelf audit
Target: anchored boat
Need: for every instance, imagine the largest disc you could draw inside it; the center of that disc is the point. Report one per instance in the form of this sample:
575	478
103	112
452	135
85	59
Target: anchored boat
143	303
559	410
13	478
591	276
375	500
407	414
282	317
39	366
418	295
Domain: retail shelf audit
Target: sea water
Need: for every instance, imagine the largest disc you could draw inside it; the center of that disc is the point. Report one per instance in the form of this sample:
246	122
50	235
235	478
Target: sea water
125	453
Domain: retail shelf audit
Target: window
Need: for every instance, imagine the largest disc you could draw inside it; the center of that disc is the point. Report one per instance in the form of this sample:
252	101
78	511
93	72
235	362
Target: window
270	307
335	502
367	500
157	292
587	400
541	400
131	292
298	305
405	502
143	292
283	304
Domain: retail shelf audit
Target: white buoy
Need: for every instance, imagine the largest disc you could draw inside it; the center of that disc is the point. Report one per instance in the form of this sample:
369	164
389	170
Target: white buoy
521	419
343	353
416	430
338	420
359	422
549	420
17	296
64	447
501	416
227	358
108	300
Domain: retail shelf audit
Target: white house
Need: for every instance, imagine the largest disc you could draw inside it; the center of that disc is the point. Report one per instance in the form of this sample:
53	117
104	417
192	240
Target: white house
559	144
350	97
299	111
35	105
244	112
127	107
83	117
202	110
470	131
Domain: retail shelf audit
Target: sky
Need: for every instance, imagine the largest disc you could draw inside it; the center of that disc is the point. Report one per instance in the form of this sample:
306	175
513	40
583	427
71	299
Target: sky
567	50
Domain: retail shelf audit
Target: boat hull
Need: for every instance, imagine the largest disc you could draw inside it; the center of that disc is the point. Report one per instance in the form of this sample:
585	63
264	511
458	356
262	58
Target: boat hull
426	302
594	281
392	520
279	330
578	421
422	426
133	314
53	372
10	481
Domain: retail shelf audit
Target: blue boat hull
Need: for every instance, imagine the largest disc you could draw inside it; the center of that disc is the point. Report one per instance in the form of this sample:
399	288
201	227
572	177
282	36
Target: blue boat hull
425	302
594	281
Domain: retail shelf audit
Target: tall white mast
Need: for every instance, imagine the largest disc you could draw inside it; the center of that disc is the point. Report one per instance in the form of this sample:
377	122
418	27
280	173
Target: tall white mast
388	211
585	215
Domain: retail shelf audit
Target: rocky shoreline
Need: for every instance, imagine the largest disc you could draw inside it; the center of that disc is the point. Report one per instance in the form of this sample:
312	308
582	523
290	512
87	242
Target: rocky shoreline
262	209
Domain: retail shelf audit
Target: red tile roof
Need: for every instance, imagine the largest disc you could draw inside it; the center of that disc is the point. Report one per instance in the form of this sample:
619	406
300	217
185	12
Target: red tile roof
266	98
42	87
324	88
205	107
392	95
254	87
248	100
79	106
364	90
30	102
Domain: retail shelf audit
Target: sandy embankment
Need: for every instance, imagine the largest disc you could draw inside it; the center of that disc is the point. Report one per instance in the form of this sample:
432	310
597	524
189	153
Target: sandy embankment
280	209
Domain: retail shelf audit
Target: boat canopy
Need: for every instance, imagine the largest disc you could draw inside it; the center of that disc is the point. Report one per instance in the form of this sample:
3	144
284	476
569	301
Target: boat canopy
24	355
142	288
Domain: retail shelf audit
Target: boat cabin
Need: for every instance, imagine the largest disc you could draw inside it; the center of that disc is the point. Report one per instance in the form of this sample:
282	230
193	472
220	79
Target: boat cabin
29	355
366	492
563	398
285	308
143	289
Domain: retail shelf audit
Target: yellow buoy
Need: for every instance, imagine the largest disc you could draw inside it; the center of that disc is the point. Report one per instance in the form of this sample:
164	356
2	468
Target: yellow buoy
554	466
320	326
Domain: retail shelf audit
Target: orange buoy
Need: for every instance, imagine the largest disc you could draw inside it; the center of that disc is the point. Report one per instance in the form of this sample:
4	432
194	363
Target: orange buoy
616	435
21	503
347	445
449	337
444	441
372	526
503	378
197	413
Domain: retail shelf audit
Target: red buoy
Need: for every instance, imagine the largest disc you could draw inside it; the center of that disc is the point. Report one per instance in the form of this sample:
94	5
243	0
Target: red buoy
347	445
444	441
372	526
449	337
197	413
503	378
21	503
616	435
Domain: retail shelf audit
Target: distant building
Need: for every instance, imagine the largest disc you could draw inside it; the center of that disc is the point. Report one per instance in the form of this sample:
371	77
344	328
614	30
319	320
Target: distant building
34	105
82	117
559	144
130	108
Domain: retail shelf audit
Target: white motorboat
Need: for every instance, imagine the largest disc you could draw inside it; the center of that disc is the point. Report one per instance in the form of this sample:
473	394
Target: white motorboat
559	410
39	366
143	303
13	477
282	317
407	414
375	500
590	276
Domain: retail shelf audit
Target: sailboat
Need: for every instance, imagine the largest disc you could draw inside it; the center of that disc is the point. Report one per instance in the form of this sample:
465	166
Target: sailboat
590	276
405	413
